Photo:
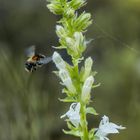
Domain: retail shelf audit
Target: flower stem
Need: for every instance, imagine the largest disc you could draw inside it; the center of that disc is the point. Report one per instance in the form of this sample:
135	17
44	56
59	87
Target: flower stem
83	108
84	122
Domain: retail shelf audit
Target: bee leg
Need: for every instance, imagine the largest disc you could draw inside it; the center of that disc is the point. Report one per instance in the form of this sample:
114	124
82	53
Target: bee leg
39	64
32	69
35	68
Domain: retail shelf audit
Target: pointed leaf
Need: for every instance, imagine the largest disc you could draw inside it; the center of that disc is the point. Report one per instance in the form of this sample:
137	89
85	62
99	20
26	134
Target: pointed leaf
97	85
91	110
73	132
67	99
91	134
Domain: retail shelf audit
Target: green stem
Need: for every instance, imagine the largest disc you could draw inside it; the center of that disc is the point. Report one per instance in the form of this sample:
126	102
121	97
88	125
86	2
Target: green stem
83	108
84	122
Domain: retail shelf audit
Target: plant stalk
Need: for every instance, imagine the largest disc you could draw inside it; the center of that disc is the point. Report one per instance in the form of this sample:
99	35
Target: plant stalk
84	122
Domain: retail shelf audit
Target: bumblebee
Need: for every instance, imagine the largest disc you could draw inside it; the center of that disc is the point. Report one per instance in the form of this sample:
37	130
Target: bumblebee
35	60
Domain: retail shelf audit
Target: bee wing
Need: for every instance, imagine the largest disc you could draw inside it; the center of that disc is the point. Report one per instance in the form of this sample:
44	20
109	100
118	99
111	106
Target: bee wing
45	60
30	51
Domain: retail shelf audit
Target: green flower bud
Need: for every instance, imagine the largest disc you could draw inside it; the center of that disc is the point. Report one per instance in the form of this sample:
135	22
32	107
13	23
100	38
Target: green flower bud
83	21
76	4
56	8
69	12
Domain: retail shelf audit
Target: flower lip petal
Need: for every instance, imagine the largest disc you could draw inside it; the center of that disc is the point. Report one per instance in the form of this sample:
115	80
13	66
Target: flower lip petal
73	114
106	127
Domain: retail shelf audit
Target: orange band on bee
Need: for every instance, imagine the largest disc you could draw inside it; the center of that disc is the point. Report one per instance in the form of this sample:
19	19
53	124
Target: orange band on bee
35	58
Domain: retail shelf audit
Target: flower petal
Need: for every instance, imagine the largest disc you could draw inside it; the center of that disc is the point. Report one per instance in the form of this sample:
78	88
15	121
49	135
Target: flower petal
106	127
73	114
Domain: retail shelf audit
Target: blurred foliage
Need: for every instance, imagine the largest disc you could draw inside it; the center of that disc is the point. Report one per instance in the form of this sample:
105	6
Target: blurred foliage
29	102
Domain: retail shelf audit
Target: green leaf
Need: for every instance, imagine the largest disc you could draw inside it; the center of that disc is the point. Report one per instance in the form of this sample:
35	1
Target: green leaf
91	134
59	47
67	99
76	133
70	126
66	91
91	110
97	85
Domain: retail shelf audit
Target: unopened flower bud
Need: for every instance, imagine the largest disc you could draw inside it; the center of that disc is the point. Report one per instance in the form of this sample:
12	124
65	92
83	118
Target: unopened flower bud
78	36
88	66
70	42
60	31
83	21
59	62
64	75
70	12
87	88
55	8
76	4
72	45
80	41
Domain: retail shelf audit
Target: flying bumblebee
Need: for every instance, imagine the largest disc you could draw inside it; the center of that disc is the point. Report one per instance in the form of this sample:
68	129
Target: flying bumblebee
35	60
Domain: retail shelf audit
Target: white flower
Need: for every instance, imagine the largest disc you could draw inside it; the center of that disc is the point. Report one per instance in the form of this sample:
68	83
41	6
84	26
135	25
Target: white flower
64	75
59	62
105	128
87	88
73	114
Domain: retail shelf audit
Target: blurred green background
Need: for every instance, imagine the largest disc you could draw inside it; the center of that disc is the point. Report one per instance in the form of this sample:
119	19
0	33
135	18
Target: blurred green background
29	106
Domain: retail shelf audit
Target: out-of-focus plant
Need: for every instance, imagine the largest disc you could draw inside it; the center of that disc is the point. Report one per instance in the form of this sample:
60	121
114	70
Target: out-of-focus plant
78	82
22	104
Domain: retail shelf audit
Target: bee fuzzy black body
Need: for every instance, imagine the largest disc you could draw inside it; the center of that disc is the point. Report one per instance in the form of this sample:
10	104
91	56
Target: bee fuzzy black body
35	60
30	67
